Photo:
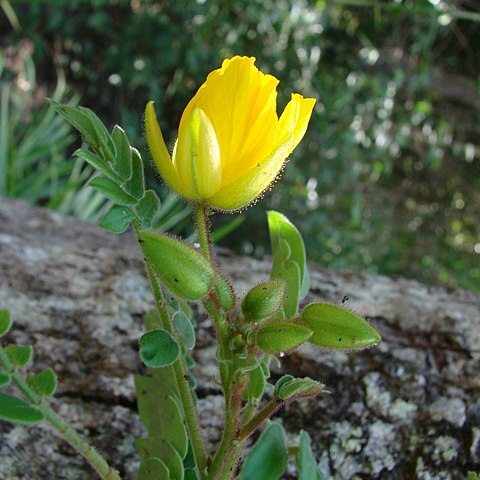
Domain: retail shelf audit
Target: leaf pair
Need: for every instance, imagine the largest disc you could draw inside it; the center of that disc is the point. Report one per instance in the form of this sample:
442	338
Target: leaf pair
43	384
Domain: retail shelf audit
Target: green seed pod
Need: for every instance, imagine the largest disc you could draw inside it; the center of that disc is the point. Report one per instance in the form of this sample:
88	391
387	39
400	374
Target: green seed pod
336	327
183	270
276	337
264	300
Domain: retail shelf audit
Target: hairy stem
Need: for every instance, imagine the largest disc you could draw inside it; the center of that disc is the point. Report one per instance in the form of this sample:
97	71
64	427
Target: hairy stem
263	414
96	460
202	223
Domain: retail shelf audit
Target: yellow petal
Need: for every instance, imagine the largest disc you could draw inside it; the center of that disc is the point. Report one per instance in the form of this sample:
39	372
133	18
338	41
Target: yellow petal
294	119
197	154
249	186
159	151
240	101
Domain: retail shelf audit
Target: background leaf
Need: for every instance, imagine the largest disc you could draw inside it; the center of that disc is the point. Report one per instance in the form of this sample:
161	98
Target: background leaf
14	409
19	355
5	321
306	464
267	460
44	383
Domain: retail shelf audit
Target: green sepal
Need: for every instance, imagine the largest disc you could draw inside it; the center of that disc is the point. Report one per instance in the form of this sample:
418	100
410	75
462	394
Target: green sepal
184	328
183	270
264	300
158	348
307	467
4	379
5	322
14	409
44	383
255	386
224	291
123	156
117	219
298	388
277	337
148	208
267	460
336	327
111	190
135	185
19	355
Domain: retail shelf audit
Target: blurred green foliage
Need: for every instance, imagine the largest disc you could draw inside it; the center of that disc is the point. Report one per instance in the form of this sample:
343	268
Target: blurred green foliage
387	177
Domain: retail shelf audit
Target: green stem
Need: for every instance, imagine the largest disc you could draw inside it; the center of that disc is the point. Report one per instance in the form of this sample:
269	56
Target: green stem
263	414
225	459
183	384
202	222
69	434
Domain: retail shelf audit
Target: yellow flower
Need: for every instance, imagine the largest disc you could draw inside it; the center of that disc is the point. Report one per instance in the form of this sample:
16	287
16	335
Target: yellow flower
231	144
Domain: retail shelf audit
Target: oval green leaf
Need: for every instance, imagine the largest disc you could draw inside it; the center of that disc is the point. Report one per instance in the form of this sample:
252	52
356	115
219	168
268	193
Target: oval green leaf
184	328
306	464
123	157
136	184
267	459
264	300
147	208
276	337
44	383
117	219
158	348
336	327
19	355
14	409
112	191
183	270
281	228
5	321
153	468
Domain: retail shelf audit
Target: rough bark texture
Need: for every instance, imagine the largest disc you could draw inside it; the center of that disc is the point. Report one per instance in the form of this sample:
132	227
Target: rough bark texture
409	408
